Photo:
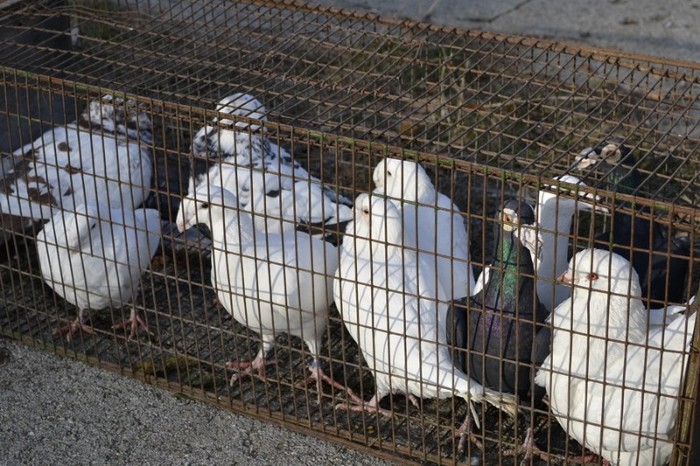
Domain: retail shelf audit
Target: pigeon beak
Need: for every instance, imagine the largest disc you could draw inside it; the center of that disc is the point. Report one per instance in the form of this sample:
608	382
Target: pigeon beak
566	277
587	158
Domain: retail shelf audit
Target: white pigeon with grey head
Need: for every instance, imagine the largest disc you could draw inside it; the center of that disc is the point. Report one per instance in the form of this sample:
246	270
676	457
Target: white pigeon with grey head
388	302
424	211
93	257
271	283
103	157
614	380
234	152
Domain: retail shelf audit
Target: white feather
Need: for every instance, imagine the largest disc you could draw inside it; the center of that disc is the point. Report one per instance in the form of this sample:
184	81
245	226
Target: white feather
388	302
613	379
243	152
103	157
270	283
93	257
432	223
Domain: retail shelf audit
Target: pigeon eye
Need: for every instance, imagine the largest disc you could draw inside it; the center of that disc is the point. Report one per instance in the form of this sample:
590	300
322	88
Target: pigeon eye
365	210
204	205
592	277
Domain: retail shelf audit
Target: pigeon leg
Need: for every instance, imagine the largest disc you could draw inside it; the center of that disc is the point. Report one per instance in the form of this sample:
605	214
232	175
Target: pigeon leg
529	448
465	433
134	321
246	368
78	325
357	405
319	377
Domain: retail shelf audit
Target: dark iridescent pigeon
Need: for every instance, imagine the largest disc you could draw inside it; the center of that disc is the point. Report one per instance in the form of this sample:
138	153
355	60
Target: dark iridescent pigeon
502	324
634	238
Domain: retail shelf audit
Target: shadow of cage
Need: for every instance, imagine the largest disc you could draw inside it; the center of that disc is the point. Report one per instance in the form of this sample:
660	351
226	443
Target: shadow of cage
426	242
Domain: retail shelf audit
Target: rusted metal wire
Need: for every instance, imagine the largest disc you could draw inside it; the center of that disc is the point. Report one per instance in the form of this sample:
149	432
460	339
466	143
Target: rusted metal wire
490	116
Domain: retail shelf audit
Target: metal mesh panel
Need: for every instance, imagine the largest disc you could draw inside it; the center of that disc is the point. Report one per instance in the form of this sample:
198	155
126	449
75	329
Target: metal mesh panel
490	117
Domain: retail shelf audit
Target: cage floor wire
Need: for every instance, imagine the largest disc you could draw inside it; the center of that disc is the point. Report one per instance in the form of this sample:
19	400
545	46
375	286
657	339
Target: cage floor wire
490	116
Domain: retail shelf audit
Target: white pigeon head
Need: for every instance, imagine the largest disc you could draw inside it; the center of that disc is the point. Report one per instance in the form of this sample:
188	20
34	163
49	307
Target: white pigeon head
602	274
206	205
244	105
402	179
115	115
378	220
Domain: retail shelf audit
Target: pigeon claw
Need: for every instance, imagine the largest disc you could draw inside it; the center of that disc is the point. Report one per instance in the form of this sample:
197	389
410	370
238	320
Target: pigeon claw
465	434
357	405
317	375
528	448
246	368
74	327
133	322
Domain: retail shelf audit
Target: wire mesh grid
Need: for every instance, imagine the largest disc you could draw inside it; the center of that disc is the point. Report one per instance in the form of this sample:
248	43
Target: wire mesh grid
490	116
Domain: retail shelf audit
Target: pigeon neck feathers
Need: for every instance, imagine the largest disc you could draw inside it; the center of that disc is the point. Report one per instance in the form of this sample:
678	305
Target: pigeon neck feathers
377	228
511	282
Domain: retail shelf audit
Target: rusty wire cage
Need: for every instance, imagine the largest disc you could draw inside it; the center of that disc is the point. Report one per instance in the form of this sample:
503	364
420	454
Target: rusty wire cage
490	117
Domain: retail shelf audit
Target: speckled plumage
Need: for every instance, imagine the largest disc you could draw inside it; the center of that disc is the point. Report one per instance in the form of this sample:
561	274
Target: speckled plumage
103	157
233	155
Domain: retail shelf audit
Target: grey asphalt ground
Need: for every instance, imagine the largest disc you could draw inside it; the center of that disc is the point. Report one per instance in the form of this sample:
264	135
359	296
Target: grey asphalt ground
58	411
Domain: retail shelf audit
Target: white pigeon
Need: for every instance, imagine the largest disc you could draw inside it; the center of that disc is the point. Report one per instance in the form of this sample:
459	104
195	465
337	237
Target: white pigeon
555	212
607	389
388	303
103	157
271	283
431	222
548	239
93	258
235	152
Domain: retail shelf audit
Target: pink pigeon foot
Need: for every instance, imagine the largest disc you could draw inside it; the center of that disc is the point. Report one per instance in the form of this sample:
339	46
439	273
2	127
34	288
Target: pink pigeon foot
246	368
74	327
585	459
357	405
133	321
317	375
465	433
529	448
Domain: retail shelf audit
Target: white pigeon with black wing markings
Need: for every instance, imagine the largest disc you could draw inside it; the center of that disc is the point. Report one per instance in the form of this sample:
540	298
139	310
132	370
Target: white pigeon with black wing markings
237	153
103	157
615	378
93	257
